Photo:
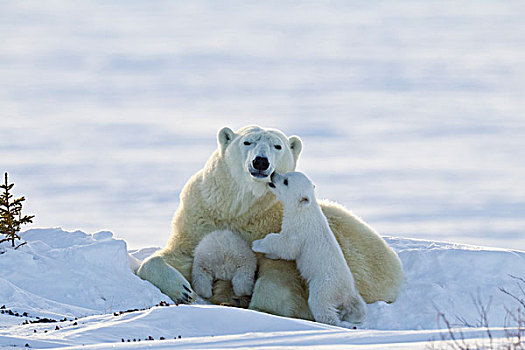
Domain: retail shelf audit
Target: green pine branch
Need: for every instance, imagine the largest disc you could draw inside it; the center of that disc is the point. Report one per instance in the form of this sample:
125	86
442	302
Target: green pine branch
11	213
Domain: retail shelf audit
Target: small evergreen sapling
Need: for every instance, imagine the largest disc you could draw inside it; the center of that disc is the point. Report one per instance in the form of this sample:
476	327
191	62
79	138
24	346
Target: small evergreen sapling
11	214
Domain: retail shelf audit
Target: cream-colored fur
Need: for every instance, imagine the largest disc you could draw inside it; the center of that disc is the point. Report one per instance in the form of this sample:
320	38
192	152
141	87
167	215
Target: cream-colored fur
225	195
223	255
306	238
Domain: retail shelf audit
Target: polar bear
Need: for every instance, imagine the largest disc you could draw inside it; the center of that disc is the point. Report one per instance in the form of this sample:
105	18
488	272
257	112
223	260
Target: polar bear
226	256
231	192
307	238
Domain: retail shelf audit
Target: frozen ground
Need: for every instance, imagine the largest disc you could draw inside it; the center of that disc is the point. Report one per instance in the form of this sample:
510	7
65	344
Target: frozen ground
412	112
85	279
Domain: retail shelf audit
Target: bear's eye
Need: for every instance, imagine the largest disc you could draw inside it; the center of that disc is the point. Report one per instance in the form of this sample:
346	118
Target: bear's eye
277	146
285	182
246	143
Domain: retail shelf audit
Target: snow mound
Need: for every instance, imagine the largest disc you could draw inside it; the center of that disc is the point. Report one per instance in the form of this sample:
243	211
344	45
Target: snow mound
209	327
143	253
71	274
60	274
449	278
167	322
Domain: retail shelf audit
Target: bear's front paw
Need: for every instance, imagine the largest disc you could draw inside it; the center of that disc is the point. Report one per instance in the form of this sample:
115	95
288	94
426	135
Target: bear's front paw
188	296
167	279
358	309
258	246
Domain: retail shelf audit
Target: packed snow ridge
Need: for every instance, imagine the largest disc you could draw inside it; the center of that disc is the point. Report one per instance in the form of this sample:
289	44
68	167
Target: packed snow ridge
87	279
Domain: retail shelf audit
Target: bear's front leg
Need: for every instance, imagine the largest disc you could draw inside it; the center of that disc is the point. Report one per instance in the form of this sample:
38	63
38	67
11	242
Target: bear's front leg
276	245
165	277
280	290
267	245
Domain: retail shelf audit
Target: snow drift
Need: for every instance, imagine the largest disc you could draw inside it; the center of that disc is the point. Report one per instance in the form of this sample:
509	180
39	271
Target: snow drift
69	275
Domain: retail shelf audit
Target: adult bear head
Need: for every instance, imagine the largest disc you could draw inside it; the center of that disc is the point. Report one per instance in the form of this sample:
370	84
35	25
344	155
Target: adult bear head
253	153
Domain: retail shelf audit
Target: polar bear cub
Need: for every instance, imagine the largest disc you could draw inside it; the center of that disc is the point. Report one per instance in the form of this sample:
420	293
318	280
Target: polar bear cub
223	255
306	238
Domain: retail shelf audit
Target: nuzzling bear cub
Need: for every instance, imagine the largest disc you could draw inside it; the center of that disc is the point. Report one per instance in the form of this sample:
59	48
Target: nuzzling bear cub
307	238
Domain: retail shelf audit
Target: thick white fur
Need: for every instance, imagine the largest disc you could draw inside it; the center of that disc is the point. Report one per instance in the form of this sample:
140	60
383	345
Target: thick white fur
223	255
307	238
225	196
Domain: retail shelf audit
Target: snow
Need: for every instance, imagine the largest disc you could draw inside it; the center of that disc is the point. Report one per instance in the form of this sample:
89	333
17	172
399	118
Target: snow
59	274
87	279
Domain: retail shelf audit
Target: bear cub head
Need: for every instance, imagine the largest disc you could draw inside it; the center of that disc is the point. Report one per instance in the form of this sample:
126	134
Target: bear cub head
294	189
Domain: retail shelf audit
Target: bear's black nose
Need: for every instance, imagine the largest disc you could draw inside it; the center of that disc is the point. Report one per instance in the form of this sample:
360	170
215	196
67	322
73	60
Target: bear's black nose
260	163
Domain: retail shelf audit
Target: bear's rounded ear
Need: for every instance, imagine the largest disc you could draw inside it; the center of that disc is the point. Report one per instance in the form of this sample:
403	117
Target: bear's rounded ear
296	145
224	137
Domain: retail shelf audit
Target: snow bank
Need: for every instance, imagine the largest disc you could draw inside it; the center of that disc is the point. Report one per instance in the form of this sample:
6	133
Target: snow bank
449	278
71	274
61	274
210	327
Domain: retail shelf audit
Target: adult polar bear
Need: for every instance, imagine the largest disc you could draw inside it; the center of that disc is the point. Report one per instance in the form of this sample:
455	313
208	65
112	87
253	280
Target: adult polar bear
231	192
